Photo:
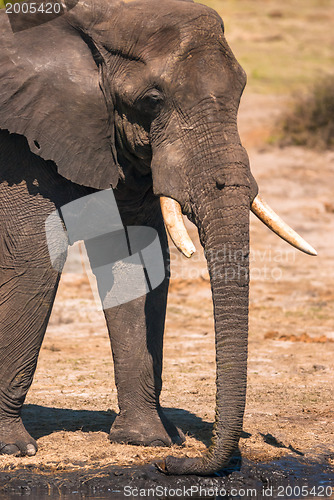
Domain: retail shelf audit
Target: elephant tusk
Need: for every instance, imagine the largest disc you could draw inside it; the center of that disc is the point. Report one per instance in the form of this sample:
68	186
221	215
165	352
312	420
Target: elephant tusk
267	215
171	212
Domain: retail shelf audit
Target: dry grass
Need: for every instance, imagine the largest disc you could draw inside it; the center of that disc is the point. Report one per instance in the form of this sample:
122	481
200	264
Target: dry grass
310	121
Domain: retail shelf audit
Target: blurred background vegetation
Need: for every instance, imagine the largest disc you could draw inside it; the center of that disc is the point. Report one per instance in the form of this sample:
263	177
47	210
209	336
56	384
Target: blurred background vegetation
310	120
287	48
283	45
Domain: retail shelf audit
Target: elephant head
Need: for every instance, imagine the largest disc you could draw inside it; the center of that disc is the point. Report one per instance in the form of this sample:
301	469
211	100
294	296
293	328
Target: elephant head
148	93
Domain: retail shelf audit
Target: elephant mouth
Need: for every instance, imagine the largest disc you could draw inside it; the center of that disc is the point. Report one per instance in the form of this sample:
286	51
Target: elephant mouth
172	214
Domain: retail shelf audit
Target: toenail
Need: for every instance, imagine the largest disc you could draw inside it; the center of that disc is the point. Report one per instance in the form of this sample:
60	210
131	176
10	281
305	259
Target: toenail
31	450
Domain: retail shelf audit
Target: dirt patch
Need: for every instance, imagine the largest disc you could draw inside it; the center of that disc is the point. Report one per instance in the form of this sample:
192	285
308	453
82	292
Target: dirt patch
303	337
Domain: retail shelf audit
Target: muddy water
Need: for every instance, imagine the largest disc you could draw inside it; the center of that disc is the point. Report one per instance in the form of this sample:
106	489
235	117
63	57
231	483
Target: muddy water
286	478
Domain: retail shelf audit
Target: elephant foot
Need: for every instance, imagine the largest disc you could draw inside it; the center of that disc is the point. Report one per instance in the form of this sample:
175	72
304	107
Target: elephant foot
145	430
15	440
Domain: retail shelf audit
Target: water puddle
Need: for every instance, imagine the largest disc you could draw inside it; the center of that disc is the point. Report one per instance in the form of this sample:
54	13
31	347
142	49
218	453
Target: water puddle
289	477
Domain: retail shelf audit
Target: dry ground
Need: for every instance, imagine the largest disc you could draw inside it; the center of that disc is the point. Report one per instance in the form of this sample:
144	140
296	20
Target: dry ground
289	410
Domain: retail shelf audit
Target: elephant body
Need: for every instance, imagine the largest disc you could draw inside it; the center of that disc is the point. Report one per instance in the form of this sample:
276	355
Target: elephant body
141	97
29	194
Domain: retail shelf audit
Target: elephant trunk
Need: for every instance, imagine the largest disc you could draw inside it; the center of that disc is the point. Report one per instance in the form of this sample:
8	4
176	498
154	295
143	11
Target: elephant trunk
222	216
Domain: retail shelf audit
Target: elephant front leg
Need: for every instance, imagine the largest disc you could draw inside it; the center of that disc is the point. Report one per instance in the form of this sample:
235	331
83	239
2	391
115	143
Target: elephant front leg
136	335
18	362
24	313
27	295
28	285
136	331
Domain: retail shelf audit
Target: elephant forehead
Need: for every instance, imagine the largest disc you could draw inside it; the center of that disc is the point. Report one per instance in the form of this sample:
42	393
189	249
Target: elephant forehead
195	71
175	25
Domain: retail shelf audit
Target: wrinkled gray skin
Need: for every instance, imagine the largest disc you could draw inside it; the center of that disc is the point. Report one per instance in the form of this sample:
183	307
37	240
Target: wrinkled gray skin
142	96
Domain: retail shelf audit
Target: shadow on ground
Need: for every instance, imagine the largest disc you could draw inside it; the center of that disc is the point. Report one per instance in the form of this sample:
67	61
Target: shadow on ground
281	478
42	420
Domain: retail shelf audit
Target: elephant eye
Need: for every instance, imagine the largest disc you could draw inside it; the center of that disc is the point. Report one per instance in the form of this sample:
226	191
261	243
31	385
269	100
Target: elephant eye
152	101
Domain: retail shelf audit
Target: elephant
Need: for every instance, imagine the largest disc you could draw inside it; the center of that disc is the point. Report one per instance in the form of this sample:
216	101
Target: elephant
141	97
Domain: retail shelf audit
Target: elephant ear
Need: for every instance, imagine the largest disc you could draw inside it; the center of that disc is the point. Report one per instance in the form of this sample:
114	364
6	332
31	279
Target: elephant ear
50	92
